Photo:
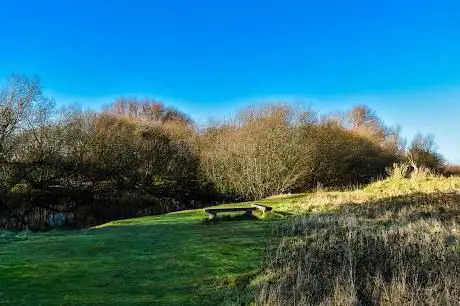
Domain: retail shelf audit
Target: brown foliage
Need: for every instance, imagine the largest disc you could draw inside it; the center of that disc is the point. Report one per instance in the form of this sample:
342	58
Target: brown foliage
423	153
259	154
147	109
276	149
452	169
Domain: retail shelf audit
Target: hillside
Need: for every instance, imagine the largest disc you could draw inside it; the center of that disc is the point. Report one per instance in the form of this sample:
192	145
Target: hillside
394	242
177	259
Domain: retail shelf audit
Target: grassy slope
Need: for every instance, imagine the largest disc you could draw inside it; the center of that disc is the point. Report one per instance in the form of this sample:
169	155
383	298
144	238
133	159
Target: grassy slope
394	242
169	259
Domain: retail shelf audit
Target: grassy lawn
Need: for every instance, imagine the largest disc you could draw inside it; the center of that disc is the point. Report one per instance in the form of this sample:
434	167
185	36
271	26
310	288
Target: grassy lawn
168	259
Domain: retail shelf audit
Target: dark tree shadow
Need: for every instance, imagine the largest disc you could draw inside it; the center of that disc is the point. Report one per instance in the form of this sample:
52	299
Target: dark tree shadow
444	206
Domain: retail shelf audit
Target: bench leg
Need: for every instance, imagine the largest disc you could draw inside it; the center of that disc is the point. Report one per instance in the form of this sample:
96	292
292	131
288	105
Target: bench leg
248	213
263	213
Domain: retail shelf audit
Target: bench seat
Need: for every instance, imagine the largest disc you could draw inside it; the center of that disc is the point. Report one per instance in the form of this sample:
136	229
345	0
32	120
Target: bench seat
212	212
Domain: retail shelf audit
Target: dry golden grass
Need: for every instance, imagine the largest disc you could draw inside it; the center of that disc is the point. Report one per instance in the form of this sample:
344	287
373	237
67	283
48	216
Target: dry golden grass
422	181
394	242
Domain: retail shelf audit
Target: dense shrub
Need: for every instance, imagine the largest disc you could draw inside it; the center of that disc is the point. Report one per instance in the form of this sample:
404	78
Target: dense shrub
276	149
263	152
423	153
452	169
343	157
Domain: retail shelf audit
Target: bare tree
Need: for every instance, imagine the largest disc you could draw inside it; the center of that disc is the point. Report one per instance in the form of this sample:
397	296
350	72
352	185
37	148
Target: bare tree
423	151
147	109
15	100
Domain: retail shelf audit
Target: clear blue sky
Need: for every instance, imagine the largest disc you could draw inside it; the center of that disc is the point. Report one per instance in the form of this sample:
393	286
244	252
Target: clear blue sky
401	57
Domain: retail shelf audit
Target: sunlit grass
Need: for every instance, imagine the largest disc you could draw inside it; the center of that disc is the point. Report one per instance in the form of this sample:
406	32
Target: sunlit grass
169	259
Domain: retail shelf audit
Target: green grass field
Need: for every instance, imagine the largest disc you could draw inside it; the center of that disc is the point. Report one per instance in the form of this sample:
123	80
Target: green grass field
176	259
168	259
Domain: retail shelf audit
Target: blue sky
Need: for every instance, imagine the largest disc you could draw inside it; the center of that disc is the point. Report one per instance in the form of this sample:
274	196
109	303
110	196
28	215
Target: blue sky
209	58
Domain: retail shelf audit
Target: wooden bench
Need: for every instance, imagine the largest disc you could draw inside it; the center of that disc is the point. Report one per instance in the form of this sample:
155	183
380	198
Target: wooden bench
212	212
263	208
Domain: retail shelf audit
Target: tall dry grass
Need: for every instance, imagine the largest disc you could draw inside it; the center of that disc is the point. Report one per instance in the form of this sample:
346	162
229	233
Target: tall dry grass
403	170
393	250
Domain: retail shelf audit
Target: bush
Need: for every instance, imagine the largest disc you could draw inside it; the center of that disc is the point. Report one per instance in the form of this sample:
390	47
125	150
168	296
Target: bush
277	149
423	153
262	153
451	170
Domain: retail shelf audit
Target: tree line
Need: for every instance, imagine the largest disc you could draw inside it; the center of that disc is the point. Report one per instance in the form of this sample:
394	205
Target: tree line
138	157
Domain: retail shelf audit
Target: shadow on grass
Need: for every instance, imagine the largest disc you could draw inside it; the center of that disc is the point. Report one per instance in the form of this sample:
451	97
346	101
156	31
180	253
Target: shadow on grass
228	218
444	206
400	249
279	214
283	198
